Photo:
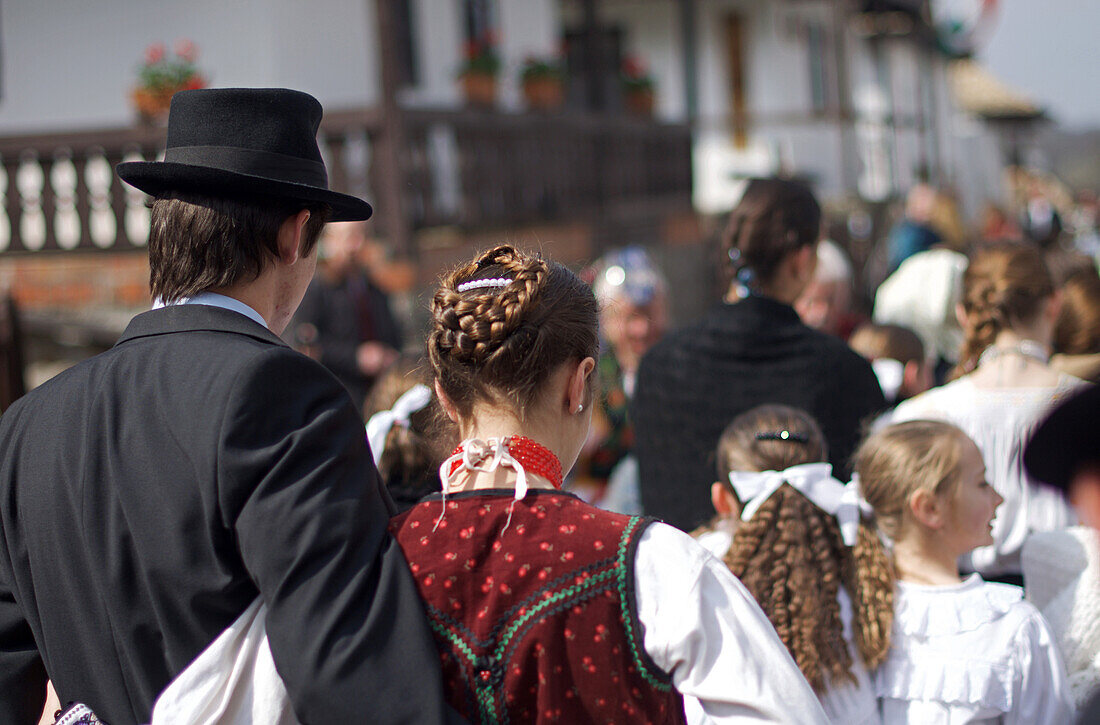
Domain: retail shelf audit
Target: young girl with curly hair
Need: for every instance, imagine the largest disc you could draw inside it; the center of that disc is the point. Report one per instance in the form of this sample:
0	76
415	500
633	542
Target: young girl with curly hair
795	537
544	608
963	650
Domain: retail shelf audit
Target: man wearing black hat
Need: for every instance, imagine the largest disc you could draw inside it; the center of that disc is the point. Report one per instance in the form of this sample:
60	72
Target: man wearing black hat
150	495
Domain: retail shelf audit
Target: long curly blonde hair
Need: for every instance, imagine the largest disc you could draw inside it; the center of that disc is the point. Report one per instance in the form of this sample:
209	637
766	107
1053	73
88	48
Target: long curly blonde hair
792	559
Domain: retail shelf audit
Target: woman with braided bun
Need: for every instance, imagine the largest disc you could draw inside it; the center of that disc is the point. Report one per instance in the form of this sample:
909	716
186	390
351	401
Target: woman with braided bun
1003	386
544	608
797	539
750	350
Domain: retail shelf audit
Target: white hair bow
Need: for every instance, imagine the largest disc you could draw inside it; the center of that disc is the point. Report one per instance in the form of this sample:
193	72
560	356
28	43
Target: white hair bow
379	425
814	481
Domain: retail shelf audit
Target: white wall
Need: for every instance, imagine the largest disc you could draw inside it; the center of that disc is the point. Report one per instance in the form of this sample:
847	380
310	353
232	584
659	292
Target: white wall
70	64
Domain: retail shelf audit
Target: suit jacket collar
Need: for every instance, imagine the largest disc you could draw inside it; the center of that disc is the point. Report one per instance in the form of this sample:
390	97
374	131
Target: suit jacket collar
195	318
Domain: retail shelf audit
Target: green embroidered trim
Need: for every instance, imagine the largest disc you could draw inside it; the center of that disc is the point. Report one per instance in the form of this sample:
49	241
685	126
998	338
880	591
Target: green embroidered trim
487	705
486	696
547	603
624	603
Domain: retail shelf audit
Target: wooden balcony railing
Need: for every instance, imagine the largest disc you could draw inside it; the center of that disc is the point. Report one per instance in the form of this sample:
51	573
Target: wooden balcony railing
464	168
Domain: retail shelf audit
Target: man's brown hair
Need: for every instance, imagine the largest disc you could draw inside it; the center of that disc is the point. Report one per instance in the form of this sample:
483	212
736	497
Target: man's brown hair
199	242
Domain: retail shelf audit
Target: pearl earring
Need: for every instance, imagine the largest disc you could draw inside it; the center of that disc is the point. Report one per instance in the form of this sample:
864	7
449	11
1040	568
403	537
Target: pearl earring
580	408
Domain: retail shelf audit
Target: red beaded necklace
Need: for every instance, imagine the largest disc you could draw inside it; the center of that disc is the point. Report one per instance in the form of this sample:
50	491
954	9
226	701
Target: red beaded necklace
534	457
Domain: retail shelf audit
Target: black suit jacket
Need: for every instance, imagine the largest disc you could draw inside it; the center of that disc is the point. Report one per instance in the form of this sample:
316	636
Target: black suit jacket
149	494
695	381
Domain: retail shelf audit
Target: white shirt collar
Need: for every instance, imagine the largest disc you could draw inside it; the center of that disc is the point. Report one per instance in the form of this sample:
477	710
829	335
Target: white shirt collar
213	299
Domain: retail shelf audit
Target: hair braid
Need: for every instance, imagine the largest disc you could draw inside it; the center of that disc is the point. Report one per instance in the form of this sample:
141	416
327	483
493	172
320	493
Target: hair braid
1004	285
500	342
870	577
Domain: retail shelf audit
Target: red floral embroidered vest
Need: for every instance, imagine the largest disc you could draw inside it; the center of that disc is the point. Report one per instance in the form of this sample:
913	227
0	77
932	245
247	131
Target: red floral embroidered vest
534	615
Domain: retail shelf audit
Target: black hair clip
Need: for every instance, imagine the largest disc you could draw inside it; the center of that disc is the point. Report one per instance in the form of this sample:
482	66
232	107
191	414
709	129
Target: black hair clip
782	435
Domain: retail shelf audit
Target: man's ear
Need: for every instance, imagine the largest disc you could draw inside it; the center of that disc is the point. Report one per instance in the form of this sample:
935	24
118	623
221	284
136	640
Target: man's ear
725	503
927	508
291	236
448	406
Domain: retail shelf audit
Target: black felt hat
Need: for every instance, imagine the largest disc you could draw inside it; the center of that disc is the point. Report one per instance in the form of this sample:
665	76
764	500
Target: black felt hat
1066	440
244	141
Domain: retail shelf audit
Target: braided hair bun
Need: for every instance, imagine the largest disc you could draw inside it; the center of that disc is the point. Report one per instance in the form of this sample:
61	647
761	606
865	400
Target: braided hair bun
504	322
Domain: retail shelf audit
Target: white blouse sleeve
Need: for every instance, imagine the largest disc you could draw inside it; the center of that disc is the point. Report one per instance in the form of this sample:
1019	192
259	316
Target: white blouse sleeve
705	630
1042	689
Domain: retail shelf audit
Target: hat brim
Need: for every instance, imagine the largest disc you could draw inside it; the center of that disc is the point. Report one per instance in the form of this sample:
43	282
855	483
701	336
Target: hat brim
1067	439
158	177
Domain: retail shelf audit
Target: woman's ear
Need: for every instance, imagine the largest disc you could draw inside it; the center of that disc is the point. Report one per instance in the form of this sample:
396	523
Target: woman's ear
448	406
927	508
576	393
725	503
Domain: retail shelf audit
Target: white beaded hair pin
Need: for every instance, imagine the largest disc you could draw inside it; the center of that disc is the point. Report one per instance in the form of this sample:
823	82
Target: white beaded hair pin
479	283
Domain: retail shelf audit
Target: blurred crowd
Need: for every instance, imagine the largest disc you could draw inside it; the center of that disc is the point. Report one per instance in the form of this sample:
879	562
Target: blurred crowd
981	327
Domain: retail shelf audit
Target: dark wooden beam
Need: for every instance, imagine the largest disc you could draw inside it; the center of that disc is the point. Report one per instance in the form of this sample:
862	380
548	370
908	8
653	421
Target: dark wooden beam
390	189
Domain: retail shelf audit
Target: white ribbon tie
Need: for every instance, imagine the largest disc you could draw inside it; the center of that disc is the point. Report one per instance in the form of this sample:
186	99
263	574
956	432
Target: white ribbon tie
814	481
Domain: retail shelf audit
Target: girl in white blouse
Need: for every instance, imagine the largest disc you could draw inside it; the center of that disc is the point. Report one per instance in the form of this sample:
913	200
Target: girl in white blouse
1004	387
793	535
963	650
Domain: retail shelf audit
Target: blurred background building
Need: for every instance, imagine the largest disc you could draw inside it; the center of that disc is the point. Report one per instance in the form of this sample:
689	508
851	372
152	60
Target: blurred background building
573	126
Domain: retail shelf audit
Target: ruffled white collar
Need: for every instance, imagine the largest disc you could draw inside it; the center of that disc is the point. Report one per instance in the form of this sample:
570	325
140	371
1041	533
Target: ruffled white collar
928	611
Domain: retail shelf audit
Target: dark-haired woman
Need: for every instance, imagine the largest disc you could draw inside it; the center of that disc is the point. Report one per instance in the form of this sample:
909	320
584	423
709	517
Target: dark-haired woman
749	351
546	609
1004	385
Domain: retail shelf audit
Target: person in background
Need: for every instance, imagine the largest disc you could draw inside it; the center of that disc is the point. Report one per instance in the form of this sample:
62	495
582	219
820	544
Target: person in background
914	232
633	298
922	295
827	302
1040	219
1005	385
751	350
345	320
545	608
1077	332
1085	221
788	530
963	650
996	225
408	433
1064	453
897	356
